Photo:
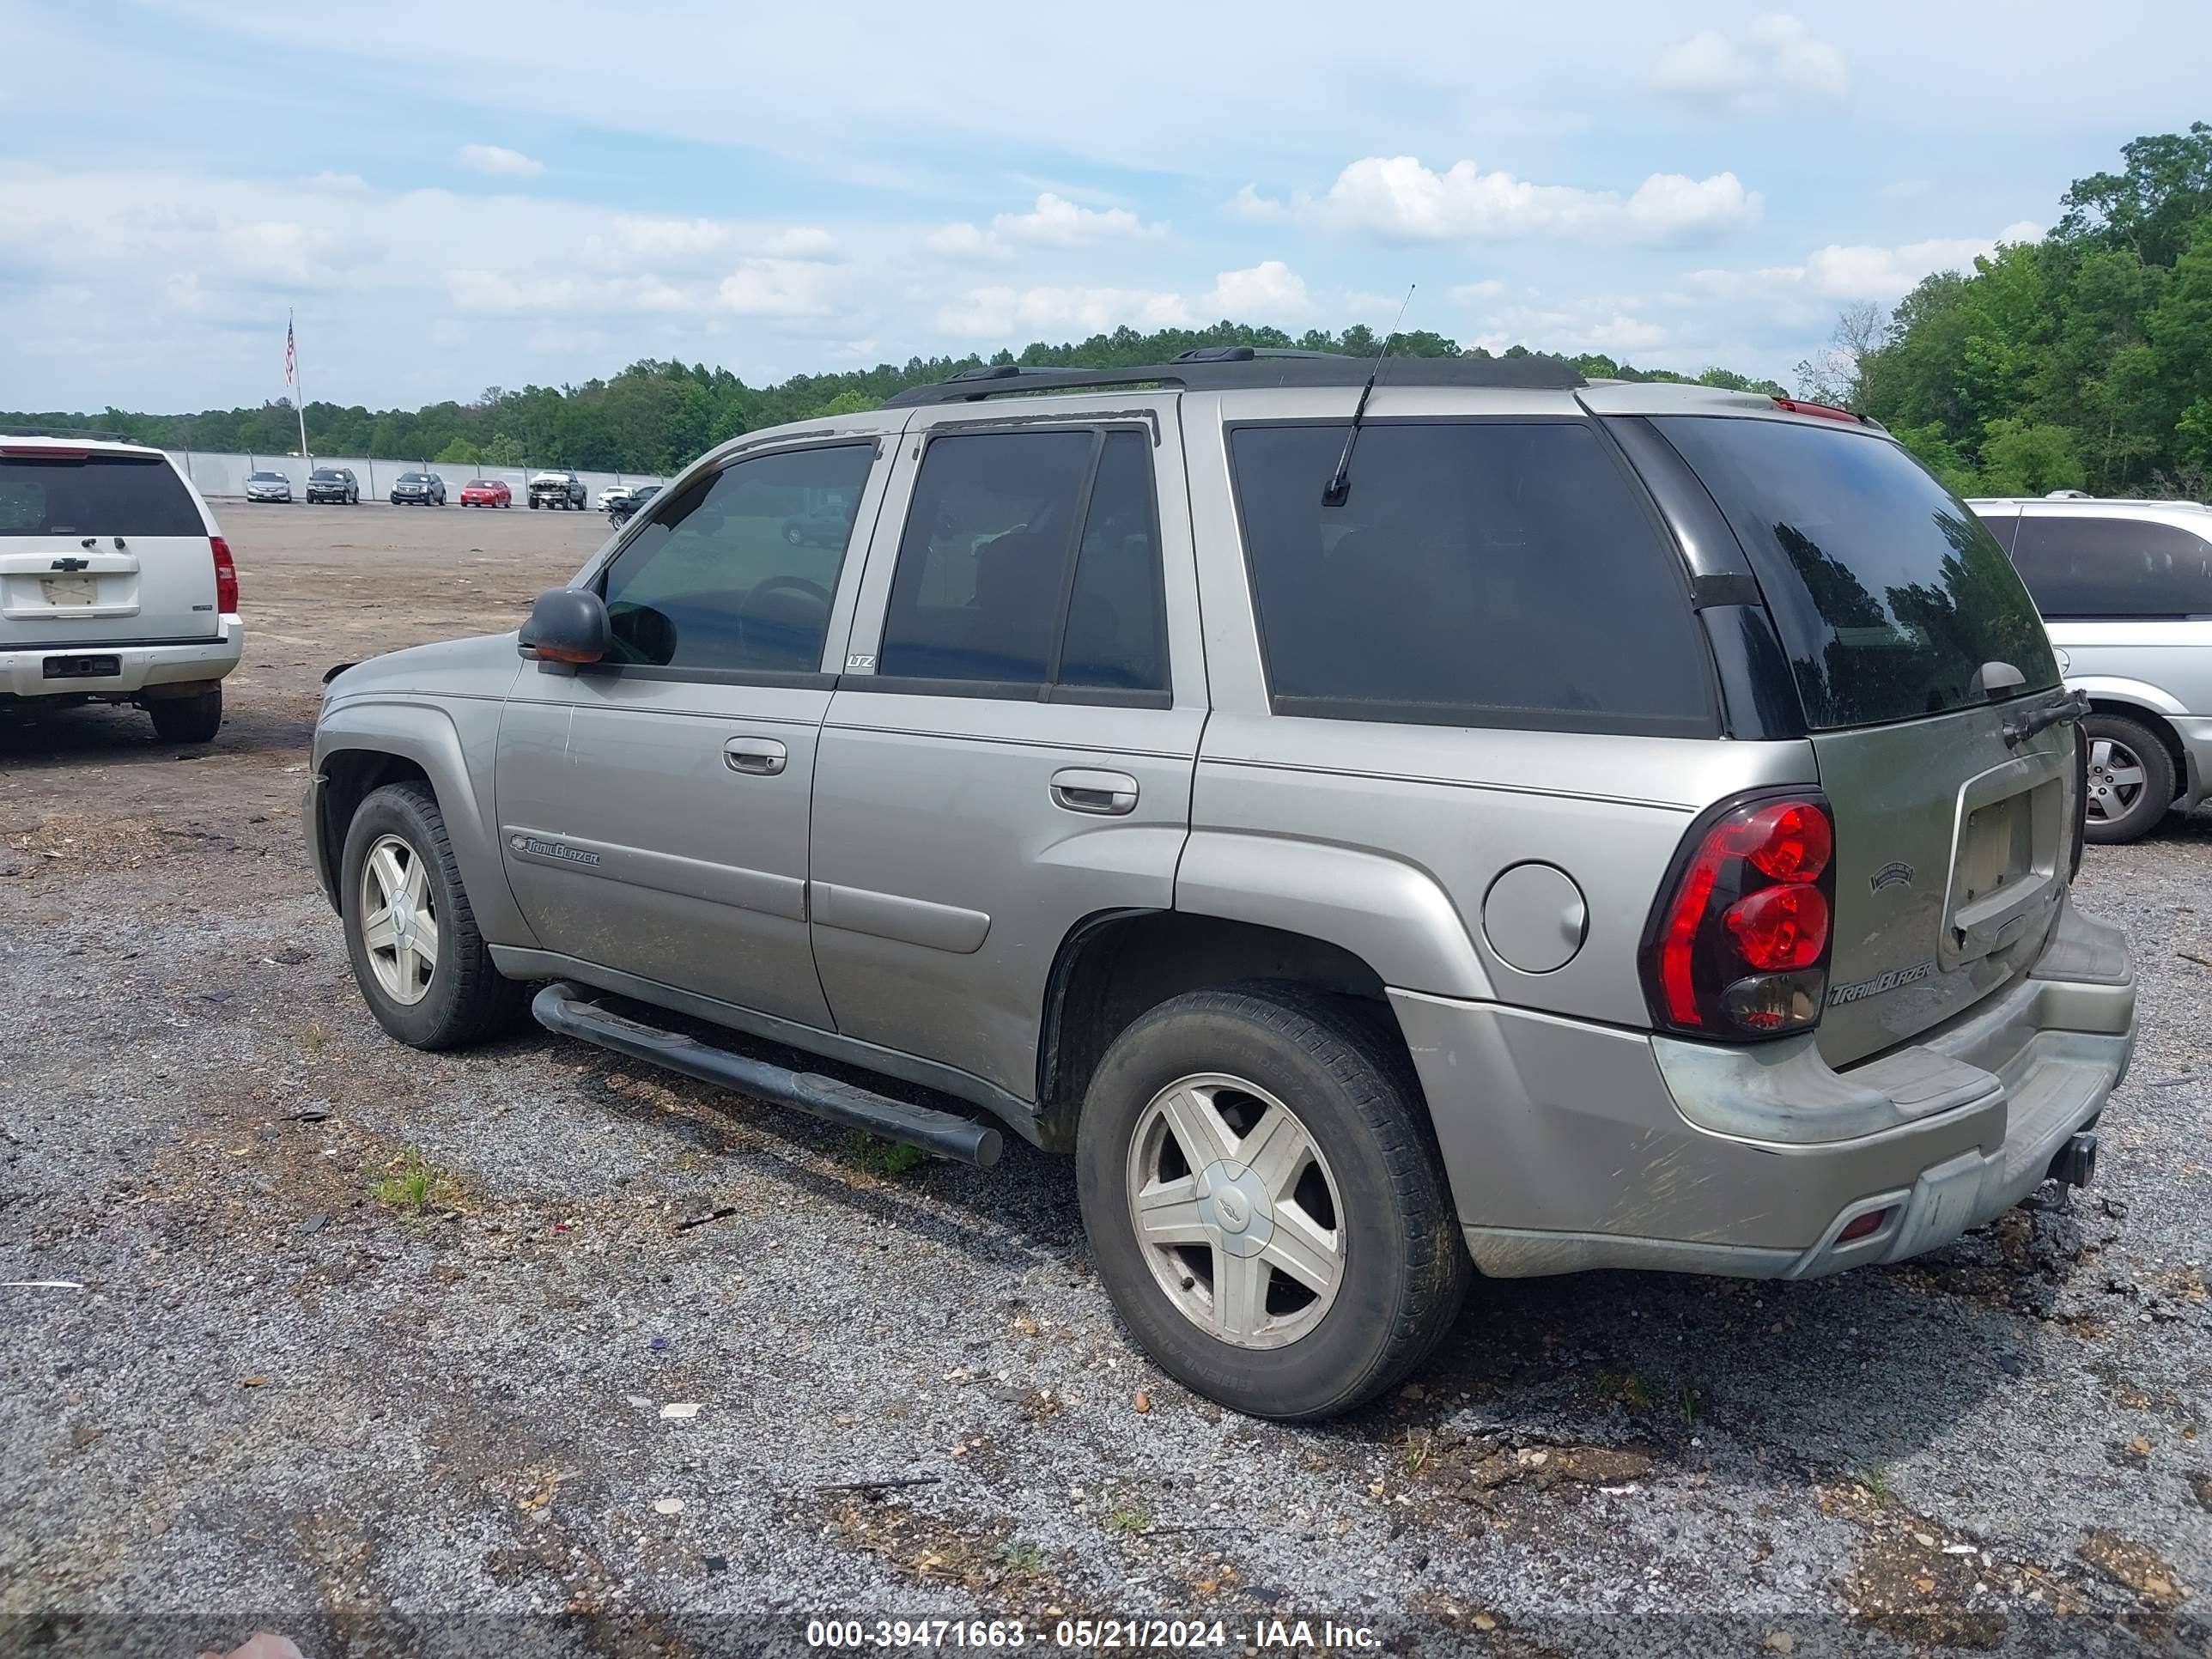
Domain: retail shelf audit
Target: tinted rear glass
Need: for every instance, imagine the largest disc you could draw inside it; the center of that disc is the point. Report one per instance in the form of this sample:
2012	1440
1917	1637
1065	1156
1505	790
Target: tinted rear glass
1889	593
1481	574
2086	566
101	496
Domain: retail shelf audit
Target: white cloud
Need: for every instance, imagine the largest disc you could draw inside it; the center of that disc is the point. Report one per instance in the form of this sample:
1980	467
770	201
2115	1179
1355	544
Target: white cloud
1249	204
1844	271
1268	292
498	160
809	242
1398	198
1054	223
998	312
1468	293
775	288
1776	63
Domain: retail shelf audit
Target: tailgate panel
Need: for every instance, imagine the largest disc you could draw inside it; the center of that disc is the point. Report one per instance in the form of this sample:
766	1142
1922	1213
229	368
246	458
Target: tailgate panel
1951	852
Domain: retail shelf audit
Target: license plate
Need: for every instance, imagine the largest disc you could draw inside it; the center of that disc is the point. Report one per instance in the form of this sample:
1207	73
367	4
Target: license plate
69	590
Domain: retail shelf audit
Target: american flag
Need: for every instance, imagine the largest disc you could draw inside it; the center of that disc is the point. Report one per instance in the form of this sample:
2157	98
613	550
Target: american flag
291	353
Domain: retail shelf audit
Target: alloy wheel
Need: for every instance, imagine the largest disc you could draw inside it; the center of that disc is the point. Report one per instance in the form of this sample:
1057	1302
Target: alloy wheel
398	918
1236	1211
2116	780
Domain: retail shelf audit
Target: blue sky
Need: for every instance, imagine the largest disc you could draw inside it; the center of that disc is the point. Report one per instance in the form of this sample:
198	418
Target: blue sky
464	194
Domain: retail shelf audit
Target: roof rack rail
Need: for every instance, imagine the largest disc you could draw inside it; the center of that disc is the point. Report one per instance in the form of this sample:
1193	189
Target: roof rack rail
1246	369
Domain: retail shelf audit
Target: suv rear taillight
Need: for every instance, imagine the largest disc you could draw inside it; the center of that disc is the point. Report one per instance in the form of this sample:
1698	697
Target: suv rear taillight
1737	946
226	578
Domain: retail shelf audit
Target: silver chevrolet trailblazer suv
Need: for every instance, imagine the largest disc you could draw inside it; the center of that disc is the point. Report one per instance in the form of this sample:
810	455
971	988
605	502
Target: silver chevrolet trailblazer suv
1476	821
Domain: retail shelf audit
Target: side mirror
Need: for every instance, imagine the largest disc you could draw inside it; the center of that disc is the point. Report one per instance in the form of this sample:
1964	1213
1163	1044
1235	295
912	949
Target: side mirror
567	625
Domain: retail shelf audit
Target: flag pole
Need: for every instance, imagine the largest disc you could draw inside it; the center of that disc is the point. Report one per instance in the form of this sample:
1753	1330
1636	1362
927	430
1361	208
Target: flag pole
299	393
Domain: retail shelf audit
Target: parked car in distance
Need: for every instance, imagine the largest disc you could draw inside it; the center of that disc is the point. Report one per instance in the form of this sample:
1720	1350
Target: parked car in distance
268	487
334	484
557	487
2126	590
418	490
486	492
613	492
624	508
818	529
1507	824
116	584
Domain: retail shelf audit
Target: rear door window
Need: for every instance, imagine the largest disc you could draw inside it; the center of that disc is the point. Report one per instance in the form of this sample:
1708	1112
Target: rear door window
96	495
2083	567
1888	593
1031	560
1481	573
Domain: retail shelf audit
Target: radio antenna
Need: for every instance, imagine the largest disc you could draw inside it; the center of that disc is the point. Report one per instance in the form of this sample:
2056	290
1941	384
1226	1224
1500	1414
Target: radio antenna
1338	490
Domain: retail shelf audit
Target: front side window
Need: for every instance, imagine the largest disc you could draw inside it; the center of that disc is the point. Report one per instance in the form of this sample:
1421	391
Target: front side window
717	579
2083	567
1480	573
1031	559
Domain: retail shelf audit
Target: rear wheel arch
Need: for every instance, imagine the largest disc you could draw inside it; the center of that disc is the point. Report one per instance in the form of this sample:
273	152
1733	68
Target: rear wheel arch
1114	967
2152	721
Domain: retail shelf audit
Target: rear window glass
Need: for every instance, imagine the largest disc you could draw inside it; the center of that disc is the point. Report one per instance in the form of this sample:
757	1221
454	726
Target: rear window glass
101	495
1483	573
1888	593
2086	566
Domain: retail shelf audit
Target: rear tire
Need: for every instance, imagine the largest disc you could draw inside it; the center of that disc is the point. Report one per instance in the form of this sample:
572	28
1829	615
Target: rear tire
2126	755
195	719
1362	1267
455	997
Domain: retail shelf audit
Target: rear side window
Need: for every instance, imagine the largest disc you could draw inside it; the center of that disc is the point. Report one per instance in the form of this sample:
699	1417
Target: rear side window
985	592
2086	566
98	496
738	571
1888	593
1481	574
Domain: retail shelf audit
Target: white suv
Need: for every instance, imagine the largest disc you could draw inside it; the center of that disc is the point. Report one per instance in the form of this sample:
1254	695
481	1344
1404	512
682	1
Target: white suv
116	584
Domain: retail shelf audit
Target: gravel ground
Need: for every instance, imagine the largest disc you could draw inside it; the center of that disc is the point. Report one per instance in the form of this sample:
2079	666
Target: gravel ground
273	1395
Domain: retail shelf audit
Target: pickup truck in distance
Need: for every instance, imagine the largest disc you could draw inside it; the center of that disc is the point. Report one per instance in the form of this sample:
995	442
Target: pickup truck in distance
558	487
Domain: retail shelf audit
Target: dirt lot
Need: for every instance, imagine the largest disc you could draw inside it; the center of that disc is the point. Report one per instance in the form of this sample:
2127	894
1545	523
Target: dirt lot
377	1348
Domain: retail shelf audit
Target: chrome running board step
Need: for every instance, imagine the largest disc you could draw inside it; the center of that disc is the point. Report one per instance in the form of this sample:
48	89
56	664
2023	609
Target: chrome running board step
564	1009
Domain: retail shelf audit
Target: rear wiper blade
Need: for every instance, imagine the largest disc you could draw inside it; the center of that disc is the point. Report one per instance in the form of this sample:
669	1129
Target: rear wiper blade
2019	728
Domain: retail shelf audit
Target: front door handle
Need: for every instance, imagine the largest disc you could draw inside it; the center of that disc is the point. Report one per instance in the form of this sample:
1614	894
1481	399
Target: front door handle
1109	794
760	757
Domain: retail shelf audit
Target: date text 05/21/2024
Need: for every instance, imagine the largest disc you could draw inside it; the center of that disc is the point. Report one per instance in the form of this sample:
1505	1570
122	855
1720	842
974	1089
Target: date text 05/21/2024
1095	1635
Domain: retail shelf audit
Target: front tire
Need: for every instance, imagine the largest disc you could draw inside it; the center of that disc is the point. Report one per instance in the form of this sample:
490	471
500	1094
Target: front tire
1297	1252
422	966
195	719
2131	779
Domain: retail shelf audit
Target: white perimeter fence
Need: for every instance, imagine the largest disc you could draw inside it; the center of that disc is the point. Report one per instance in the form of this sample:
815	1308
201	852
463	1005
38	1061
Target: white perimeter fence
219	475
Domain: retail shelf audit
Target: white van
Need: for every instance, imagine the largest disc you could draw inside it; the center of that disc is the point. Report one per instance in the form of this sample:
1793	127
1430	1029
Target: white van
2126	590
116	584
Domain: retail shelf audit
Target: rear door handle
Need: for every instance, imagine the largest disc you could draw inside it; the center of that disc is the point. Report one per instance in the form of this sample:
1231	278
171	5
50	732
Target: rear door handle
1109	794
760	757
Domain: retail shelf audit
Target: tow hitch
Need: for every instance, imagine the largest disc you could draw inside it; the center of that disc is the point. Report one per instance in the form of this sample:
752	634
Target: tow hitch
2075	1162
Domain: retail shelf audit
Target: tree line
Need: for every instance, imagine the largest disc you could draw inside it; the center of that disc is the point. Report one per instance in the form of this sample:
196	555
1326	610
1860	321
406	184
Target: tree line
2082	361
653	417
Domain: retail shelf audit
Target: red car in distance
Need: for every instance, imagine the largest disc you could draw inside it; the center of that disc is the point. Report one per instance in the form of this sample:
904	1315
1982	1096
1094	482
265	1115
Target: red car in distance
486	492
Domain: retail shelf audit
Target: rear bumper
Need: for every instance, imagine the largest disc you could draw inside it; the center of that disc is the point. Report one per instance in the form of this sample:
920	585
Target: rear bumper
139	667
1573	1146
